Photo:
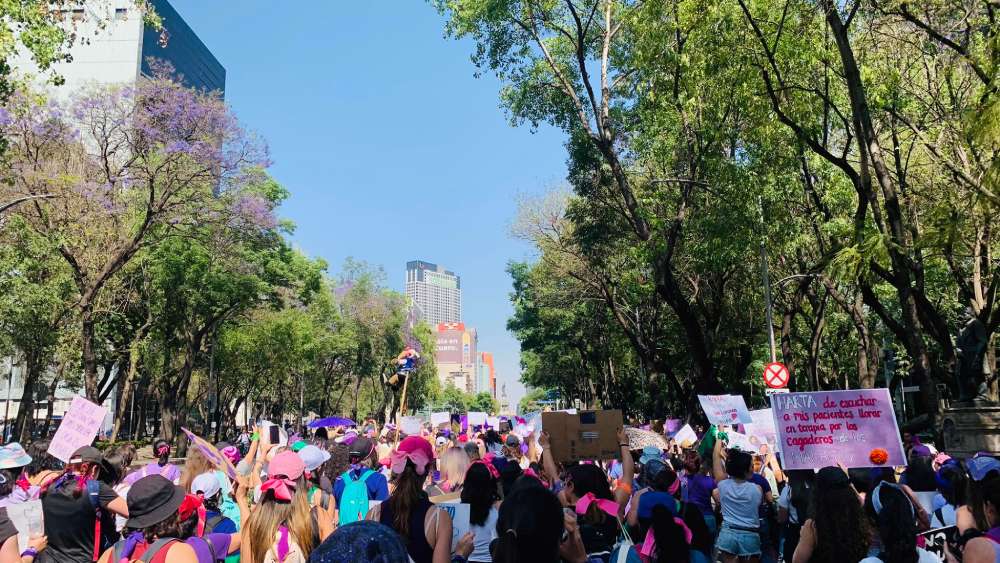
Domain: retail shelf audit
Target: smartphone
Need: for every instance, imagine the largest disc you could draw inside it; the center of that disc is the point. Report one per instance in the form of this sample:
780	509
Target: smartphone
274	434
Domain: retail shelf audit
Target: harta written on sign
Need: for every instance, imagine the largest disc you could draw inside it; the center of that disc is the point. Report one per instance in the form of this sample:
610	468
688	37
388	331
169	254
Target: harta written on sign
856	428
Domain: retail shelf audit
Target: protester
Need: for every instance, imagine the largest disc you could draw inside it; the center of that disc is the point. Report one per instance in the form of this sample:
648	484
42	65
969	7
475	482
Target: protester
700	488
531	526
892	513
14	487
207	487
952	486
43	468
162	465
195	464
794	507
740	500
481	491
280	529
836	530
9	549
424	528
668	530
454	465
982	470
78	508
359	485
986	549
165	524
322	511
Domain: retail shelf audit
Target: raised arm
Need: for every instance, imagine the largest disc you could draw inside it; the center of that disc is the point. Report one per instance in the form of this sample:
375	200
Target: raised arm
718	461
548	464
624	490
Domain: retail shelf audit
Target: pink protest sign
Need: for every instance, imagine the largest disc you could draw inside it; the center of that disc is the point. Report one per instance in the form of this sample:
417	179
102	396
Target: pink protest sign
856	428
213	455
77	429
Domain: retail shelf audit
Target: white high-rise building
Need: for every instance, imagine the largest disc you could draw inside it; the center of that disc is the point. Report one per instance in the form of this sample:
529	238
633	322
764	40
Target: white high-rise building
435	292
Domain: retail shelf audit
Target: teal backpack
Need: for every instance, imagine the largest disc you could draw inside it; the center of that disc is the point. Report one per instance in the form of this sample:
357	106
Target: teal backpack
354	500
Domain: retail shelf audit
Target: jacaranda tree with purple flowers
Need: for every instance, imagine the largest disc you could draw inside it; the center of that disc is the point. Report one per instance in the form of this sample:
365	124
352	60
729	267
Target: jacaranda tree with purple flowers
127	168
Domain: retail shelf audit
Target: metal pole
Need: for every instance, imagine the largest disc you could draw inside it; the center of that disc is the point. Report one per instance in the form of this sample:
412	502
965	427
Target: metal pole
767	284
6	413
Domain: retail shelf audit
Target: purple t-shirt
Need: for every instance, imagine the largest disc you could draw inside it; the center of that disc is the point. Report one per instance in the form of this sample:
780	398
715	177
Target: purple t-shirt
700	489
765	488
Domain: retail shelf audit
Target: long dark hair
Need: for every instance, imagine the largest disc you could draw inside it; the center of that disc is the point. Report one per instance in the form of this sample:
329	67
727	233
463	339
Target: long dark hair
41	459
529	525
841	528
951	481
479	492
895	522
671	545
801	482
588	478
920	475
408	491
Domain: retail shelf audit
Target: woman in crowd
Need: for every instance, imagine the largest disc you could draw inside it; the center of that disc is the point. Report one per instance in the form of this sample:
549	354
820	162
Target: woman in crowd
360	542
952	486
79	507
740	500
892	514
657	513
793	507
972	516
322	511
165	525
532	528
161	467
43	468
14	487
280	529
481	492
986	549
424	529
453	463
195	464
836	530
700	488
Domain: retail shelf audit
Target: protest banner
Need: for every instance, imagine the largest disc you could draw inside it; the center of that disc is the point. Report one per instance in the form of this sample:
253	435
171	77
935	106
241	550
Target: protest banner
762	427
459	512
477	418
686	435
822	428
584	435
213	455
78	428
935	540
493	422
410	425
740	442
439	418
28	519
725	409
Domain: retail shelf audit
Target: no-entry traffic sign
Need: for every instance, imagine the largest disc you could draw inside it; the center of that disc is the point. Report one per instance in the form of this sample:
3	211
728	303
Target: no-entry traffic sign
776	375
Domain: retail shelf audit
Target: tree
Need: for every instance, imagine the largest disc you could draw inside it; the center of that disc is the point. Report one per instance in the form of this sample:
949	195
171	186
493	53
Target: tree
483	402
531	402
138	164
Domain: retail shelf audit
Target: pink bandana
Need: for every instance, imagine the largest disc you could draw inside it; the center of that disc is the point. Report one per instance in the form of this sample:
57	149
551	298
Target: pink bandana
282	488
398	459
609	506
649	545
489	466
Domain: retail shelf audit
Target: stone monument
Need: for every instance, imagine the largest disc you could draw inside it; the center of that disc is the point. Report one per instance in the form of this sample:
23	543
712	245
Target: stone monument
971	424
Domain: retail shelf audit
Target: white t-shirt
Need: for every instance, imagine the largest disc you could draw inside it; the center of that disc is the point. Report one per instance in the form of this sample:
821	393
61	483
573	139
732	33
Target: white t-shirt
483	536
785	501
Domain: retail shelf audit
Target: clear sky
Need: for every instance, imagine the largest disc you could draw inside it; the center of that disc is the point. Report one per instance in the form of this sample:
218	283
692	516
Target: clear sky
391	148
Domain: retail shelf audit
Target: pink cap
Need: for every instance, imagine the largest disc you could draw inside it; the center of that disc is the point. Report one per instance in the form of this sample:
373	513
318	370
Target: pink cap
412	444
287	463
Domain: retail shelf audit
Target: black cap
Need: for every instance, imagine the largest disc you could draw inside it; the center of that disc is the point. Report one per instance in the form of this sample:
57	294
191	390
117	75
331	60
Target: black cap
832	478
361	447
87	454
512	441
152	500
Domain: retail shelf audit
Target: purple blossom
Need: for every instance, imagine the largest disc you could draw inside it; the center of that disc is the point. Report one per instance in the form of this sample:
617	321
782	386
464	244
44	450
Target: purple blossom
254	210
5	117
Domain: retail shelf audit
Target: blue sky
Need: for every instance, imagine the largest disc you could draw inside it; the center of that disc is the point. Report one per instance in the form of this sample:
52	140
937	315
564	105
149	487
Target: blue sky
391	148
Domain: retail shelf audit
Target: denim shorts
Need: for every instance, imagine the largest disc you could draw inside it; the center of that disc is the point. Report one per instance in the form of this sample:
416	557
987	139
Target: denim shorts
742	543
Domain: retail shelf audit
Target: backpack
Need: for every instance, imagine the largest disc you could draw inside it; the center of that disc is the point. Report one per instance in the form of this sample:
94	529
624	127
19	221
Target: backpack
212	522
202	548
625	551
354	499
94	496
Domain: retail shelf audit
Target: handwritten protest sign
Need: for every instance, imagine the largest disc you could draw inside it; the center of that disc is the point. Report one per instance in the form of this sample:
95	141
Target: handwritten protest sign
822	428
934	540
78	428
439	418
493	422
686	435
410	425
28	519
459	513
477	418
725	409
741	442
762	427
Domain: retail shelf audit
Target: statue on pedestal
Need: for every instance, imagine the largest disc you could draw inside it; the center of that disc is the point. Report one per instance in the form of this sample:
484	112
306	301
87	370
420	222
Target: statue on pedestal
971	349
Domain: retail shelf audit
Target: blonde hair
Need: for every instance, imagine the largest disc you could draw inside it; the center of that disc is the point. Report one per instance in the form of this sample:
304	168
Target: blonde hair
261	527
195	465
454	463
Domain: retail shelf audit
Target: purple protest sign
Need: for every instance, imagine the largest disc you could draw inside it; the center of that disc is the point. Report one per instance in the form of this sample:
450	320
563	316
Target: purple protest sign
77	429
822	428
213	455
672	426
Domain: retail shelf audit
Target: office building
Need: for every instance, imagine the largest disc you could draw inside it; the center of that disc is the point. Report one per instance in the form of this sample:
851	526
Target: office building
456	357
115	46
486	375
435	292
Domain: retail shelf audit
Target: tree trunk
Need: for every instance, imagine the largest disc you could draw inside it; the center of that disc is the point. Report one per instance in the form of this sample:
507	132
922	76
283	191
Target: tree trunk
26	409
127	390
89	355
51	399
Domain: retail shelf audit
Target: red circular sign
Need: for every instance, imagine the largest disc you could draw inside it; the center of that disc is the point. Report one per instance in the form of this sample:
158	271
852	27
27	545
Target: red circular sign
776	375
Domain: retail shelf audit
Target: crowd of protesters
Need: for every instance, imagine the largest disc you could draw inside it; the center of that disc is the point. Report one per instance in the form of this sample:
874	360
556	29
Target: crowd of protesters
369	493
